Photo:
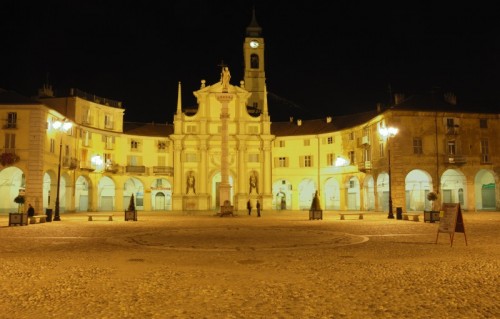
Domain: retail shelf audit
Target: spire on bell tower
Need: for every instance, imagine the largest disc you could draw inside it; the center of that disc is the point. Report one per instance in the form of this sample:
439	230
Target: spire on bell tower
179	100
254	30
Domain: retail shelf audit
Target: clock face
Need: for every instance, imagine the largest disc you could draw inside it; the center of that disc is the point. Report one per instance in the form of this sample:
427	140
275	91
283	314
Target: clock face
254	44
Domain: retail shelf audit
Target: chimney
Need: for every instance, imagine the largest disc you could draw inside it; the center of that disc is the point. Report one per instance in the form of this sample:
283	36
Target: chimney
328	119
398	98
450	98
291	119
379	107
299	122
46	91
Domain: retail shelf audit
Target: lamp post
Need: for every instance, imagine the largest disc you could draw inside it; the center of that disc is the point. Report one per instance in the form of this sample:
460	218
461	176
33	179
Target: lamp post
63	127
389	132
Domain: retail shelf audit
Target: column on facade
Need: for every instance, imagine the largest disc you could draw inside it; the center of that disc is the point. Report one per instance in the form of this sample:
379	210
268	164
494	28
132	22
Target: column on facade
241	166
202	185
266	170
177	168
119	204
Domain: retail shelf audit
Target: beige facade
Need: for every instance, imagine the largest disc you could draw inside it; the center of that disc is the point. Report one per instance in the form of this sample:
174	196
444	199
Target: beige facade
105	161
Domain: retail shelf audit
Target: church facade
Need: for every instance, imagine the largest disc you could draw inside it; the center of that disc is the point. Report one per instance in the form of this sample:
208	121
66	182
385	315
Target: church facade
229	144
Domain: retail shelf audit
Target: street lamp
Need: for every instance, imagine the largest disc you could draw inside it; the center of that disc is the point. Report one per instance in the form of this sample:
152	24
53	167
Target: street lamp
63	127
389	132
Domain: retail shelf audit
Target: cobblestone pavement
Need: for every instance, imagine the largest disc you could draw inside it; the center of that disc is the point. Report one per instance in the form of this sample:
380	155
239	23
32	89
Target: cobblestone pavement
282	265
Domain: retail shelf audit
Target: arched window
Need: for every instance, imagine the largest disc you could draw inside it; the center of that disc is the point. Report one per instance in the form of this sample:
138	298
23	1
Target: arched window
254	61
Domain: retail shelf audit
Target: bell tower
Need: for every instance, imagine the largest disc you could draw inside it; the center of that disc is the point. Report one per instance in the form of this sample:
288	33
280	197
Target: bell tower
253	54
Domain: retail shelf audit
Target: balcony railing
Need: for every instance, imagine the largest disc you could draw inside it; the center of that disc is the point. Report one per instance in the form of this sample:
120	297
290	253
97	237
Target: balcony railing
135	169
365	166
70	162
112	168
10	125
163	170
87	166
455	159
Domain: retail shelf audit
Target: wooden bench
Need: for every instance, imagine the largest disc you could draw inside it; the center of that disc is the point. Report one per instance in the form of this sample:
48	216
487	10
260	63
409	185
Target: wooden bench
351	213
37	219
406	216
91	216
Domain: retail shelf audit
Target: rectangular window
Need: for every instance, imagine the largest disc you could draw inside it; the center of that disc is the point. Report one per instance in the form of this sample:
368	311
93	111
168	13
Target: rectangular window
351	136
483	123
87	136
281	143
108	121
86	116
352	157
381	150
11	120
450	122
10	142
134	145
452	149
307	142
308	161
108	158
133	160
330	140
417	145
66	150
253	158
282	162
367	154
52	145
110	142
330	159
485	158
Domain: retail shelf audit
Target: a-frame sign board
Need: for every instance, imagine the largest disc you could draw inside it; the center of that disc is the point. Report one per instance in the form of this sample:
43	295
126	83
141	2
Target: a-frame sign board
451	222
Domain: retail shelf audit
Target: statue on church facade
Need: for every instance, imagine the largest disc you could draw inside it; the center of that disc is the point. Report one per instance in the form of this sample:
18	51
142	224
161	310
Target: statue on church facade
224	78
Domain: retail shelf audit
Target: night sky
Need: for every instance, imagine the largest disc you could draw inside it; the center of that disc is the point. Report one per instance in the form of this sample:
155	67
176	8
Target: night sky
322	57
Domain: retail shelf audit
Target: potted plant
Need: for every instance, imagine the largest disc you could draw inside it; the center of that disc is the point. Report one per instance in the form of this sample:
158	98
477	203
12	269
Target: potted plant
20	200
431	215
431	196
19	218
8	158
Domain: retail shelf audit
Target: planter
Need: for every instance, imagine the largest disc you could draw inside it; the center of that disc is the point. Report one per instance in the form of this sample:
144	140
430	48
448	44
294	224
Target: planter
131	215
431	216
315	214
16	219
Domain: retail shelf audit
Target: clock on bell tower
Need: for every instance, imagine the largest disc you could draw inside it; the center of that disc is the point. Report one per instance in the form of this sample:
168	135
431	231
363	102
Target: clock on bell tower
255	75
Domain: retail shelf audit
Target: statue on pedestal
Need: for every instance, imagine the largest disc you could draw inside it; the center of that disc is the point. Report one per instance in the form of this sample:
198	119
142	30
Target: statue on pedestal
224	78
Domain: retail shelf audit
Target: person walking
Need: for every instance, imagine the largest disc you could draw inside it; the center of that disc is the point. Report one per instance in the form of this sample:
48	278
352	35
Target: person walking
249	207
258	208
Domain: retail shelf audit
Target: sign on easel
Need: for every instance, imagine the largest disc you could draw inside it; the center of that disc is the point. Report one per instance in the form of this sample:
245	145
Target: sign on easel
451	222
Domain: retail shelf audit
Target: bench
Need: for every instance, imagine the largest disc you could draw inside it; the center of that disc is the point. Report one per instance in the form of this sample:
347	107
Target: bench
406	216
347	214
37	219
91	216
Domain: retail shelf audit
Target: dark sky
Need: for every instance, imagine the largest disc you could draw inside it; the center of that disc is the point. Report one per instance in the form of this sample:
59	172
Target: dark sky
322	57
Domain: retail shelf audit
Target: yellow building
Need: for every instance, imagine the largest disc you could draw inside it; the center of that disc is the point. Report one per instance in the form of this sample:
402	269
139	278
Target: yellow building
100	162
